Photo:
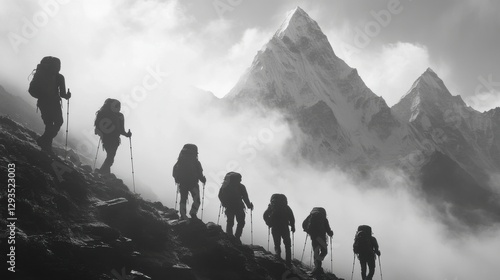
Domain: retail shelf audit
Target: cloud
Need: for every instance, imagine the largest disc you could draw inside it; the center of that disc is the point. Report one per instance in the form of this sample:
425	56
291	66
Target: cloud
220	74
391	70
388	70
484	101
414	244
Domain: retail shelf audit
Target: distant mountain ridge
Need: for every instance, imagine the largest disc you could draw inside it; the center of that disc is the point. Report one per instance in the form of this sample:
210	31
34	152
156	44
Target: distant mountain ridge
337	120
448	125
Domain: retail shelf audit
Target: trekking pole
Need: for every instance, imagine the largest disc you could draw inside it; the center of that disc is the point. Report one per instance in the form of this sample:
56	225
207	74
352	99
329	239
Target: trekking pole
251	226
380	265
268	234
176	195
96	153
353	261
311	259
331	254
67	126
132	160
218	217
202	201
304	250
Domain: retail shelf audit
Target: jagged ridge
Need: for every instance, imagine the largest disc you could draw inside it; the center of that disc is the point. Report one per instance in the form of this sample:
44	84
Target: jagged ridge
446	124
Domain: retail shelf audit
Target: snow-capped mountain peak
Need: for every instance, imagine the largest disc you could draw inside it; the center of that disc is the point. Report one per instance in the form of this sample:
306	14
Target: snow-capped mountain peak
428	82
298	72
427	94
439	119
297	24
300	53
431	79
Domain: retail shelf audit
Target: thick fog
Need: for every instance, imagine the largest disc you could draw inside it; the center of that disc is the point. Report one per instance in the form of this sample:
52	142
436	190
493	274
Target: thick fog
414	244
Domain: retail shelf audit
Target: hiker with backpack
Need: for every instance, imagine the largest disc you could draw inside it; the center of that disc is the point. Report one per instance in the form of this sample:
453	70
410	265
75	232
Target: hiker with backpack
109	125
366	247
233	196
48	86
279	216
316	225
187	172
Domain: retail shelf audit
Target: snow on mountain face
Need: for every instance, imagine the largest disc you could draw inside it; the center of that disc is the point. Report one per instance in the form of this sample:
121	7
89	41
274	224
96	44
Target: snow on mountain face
426	93
336	119
440	121
298	73
339	119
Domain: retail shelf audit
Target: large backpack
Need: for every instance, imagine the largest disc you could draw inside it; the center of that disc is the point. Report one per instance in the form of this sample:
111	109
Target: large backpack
315	223
230	193
277	210
44	82
107	119
363	241
186	169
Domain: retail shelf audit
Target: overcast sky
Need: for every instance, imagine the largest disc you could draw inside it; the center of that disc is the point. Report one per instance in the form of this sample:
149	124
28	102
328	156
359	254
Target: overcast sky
209	43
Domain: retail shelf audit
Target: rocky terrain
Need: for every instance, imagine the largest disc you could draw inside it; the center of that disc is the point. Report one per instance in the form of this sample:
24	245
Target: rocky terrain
75	224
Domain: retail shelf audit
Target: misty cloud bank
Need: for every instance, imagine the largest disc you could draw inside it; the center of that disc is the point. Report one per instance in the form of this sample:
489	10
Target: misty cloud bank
414	243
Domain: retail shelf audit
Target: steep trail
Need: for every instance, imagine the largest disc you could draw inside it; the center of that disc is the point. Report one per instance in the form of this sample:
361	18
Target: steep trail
75	224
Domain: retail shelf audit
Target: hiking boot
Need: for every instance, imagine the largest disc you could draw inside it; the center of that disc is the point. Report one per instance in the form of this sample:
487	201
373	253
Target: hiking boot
235	239
103	170
318	271
193	216
277	253
39	141
45	145
183	217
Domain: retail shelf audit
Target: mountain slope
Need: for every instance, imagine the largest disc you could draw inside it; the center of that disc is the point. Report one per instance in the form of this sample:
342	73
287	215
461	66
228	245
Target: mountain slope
456	194
19	110
298	73
443	122
74	224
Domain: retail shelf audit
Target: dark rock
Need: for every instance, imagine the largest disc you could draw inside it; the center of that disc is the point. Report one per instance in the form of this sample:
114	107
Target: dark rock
87	168
114	203
101	230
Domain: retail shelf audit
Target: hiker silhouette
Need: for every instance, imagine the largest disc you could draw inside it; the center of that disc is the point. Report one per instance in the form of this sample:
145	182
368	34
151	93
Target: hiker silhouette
109	125
187	172
232	194
317	226
279	216
366	247
48	86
